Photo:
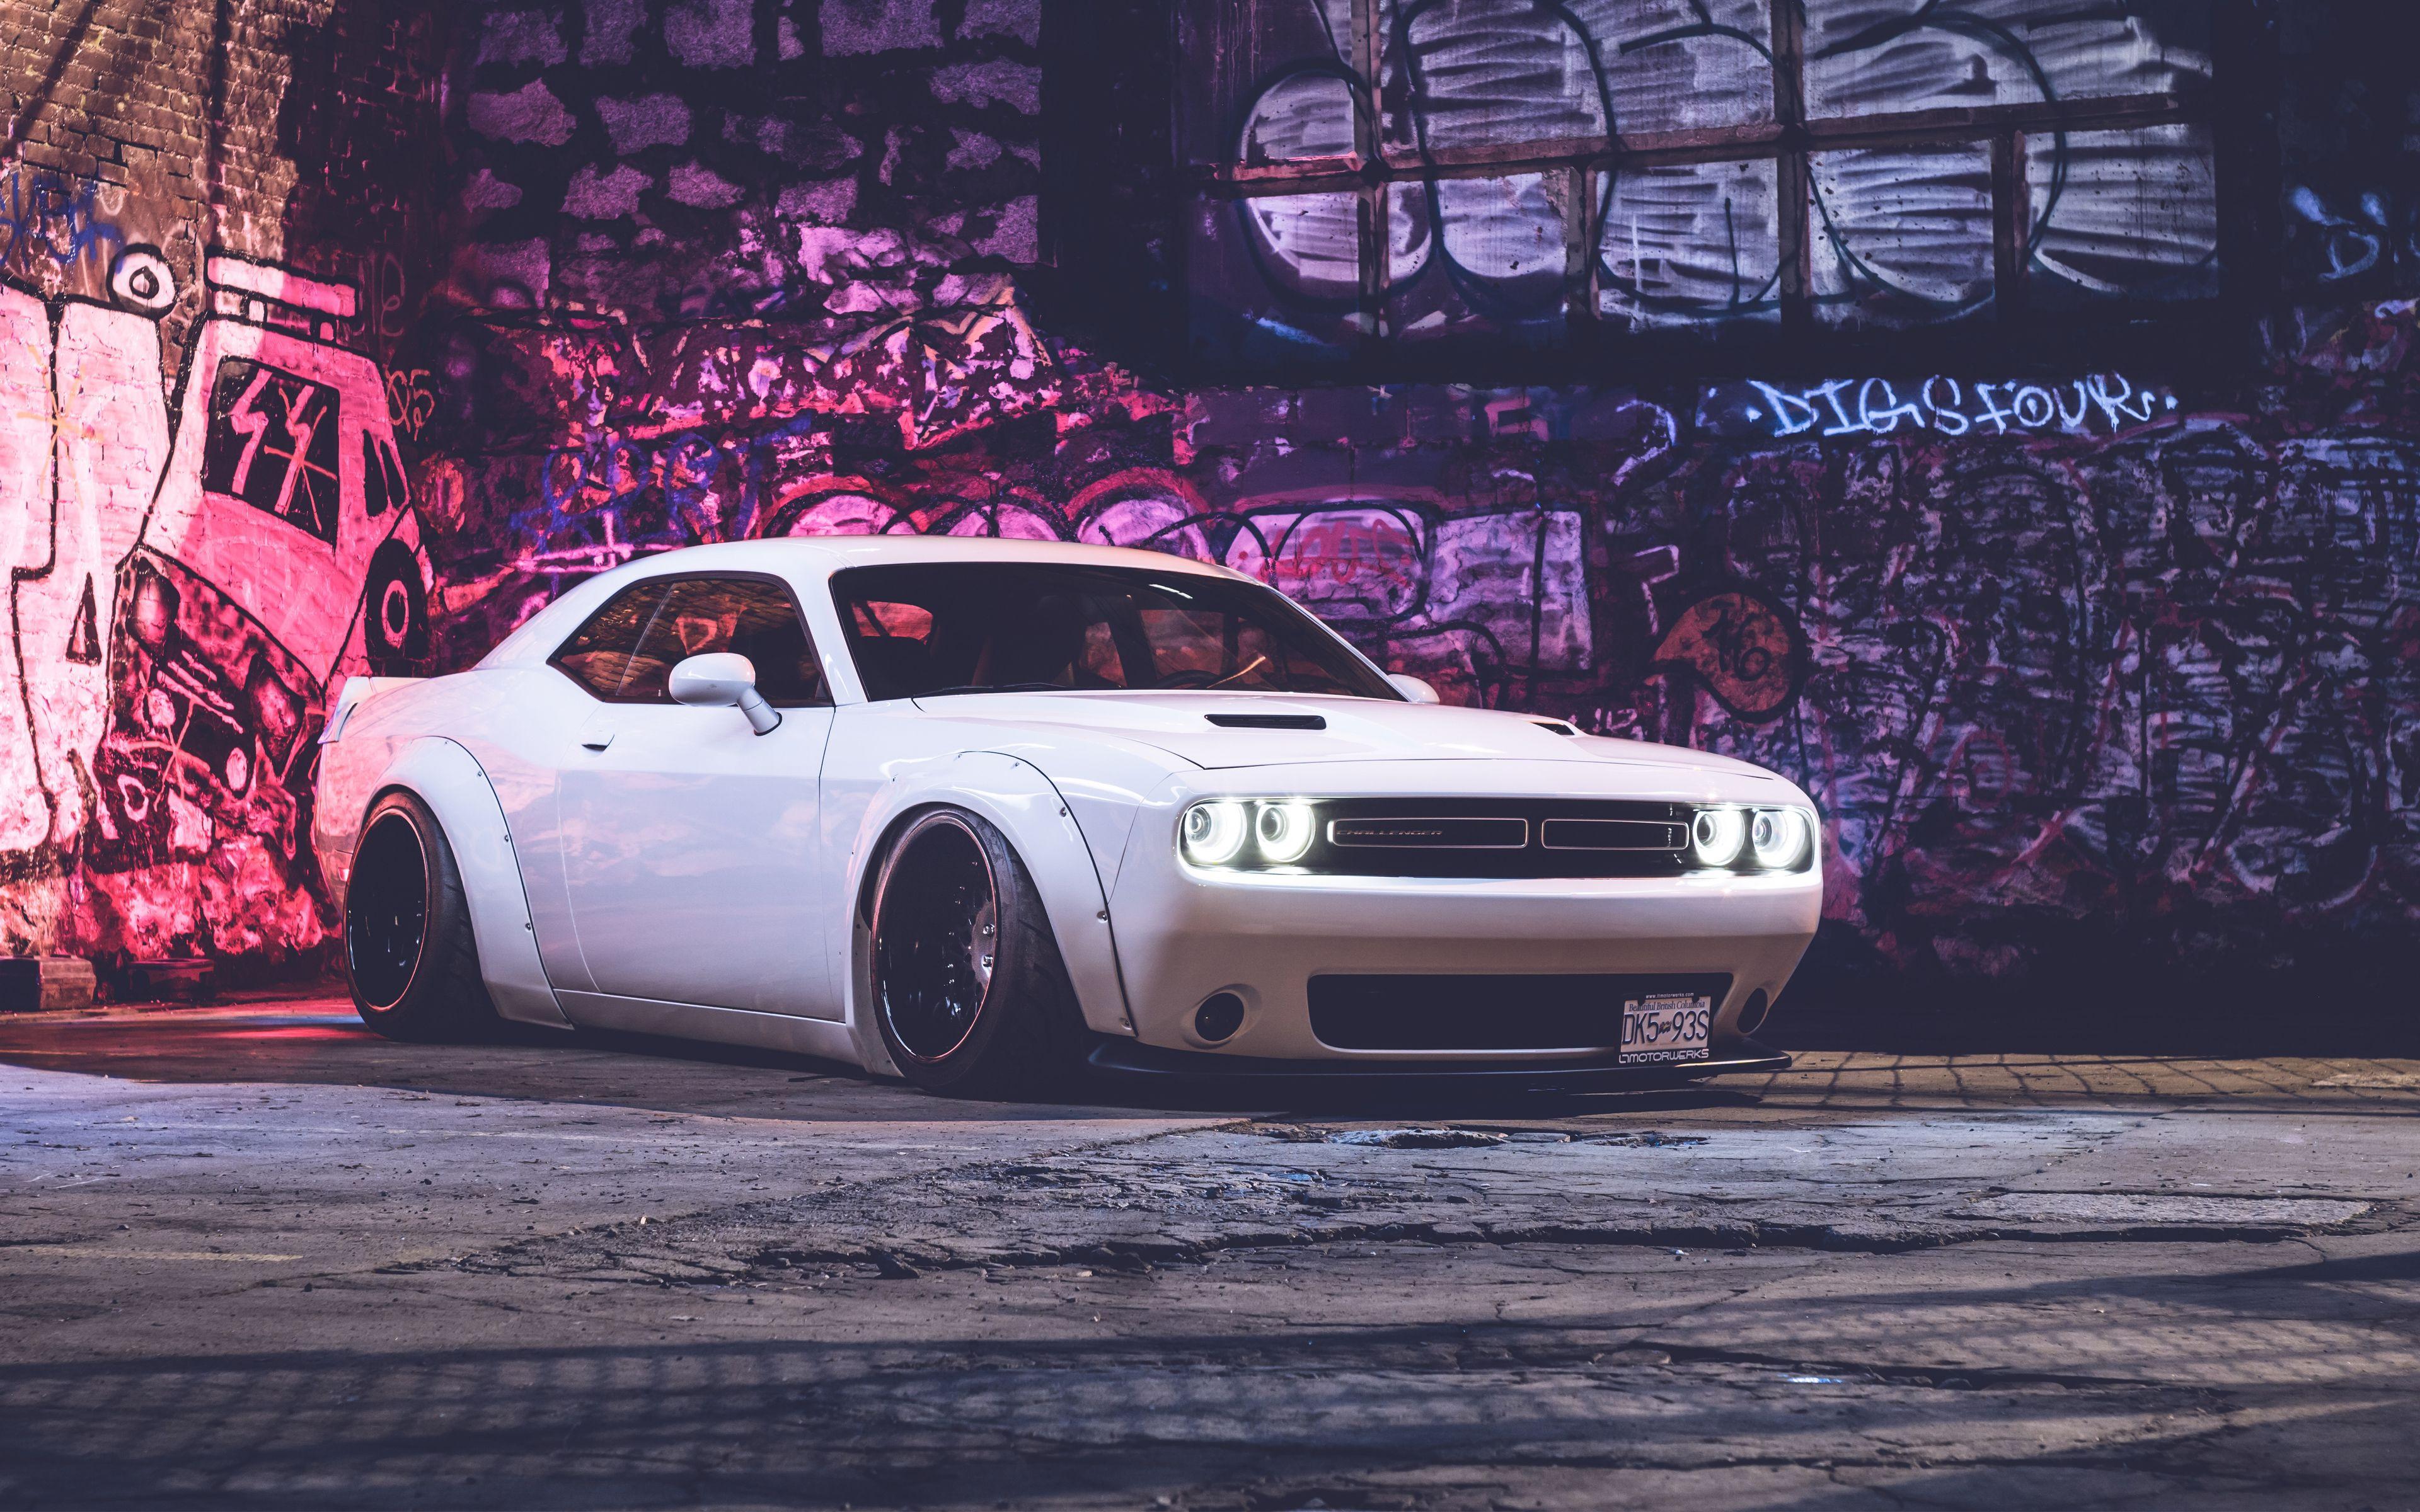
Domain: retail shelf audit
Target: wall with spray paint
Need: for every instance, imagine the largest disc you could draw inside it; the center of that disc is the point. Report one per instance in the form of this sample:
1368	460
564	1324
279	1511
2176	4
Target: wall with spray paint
207	231
2103	657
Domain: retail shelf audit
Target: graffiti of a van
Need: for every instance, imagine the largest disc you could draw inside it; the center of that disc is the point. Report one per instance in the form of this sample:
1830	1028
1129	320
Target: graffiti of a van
281	553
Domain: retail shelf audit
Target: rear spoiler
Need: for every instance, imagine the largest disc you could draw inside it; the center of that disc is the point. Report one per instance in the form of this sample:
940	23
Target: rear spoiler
356	692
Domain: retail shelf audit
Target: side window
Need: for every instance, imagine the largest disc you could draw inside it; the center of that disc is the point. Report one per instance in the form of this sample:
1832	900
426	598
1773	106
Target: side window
398	487
602	654
273	444
373	479
382	482
753	616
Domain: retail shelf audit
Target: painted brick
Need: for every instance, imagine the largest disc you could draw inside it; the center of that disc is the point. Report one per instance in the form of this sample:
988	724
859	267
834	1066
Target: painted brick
594	196
999	81
857	26
518	37
528	113
613	26
711	34
648	120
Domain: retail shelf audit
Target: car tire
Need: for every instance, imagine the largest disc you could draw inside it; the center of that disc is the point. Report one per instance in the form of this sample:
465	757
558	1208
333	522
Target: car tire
951	1024
394	612
409	956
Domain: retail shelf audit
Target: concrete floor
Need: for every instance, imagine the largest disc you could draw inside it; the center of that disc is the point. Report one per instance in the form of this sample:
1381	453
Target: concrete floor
254	1257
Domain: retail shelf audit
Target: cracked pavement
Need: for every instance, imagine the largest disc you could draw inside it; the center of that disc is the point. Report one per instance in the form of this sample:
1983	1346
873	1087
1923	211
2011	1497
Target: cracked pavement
255	1257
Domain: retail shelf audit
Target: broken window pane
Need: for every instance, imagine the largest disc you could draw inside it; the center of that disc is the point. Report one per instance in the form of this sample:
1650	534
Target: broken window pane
1675	65
1478	254
1866	58
1303	117
2123	214
1237	50
1275	278
1690	245
1903	237
1482	74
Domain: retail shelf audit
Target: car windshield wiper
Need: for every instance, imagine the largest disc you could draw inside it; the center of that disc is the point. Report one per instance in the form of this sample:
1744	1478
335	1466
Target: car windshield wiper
994	687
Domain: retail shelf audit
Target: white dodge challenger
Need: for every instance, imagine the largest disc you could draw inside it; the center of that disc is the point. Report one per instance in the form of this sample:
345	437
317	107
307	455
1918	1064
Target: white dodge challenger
983	812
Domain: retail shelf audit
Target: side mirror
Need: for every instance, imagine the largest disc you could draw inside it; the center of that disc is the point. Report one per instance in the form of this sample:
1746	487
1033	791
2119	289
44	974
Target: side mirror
1410	686
723	680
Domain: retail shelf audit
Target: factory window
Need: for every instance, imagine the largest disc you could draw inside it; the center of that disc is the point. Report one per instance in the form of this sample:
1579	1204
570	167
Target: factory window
1371	179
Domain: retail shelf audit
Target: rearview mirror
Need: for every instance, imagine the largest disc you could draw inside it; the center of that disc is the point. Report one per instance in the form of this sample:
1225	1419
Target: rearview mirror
1413	689
724	680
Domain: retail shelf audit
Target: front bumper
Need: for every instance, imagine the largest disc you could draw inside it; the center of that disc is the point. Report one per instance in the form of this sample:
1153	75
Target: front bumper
1183	935
1124	1058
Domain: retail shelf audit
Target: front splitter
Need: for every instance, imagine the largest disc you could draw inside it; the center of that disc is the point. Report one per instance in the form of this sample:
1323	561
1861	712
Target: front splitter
1124	1058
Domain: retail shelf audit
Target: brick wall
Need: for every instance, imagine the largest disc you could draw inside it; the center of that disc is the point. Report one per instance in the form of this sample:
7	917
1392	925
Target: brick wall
709	159
286	132
153	735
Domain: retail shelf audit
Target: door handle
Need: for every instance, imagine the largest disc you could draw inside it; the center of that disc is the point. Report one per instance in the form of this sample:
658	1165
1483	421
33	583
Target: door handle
596	734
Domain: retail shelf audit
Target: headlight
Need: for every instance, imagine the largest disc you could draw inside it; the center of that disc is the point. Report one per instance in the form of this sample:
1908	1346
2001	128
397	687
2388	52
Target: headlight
1735	838
1232	833
1714	839
1779	838
1284	830
1214	833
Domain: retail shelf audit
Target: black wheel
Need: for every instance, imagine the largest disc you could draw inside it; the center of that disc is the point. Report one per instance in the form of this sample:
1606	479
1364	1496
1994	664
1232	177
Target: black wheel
968	987
408	951
395	612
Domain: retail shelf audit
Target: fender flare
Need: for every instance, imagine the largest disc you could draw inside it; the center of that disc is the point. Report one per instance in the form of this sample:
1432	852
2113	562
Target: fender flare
451	782
1024	805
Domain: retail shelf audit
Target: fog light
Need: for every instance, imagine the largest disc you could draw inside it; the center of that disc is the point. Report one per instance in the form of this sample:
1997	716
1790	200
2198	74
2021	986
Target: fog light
1779	837
1717	835
1285	830
1213	832
1219	1017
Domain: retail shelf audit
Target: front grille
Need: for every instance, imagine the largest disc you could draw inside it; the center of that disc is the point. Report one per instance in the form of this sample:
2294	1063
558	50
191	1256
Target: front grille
1412	833
1498	838
1542	1012
1614	835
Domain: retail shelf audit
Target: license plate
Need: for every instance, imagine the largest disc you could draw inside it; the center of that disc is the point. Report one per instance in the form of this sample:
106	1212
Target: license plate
1666	1026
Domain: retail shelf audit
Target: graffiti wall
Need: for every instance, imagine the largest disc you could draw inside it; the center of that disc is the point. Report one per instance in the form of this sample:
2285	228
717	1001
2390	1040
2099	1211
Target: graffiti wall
2099	652
2123	671
205	231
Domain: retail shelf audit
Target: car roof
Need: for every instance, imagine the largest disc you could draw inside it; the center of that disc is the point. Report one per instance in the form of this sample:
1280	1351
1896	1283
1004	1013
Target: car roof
806	559
808	556
865	550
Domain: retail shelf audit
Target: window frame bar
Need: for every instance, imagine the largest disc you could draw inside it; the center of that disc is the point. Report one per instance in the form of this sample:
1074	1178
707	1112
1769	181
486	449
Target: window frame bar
1787	140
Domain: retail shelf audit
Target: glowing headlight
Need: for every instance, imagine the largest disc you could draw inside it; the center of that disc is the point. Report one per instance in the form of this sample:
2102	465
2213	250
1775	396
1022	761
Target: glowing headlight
1716	836
1284	830
1779	837
1214	833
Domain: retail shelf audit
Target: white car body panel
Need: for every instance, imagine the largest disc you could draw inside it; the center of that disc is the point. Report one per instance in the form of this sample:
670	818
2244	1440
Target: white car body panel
872	790
664	808
1358	730
446	776
692	878
1264	936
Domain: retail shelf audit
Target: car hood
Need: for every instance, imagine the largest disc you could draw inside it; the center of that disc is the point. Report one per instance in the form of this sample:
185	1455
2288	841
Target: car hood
1185	726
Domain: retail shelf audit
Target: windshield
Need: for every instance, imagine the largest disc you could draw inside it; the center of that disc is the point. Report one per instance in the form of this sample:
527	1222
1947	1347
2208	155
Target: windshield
923	628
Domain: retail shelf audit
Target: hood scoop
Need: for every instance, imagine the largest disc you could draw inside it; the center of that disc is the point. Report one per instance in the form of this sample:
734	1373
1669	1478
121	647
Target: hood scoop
1268	721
